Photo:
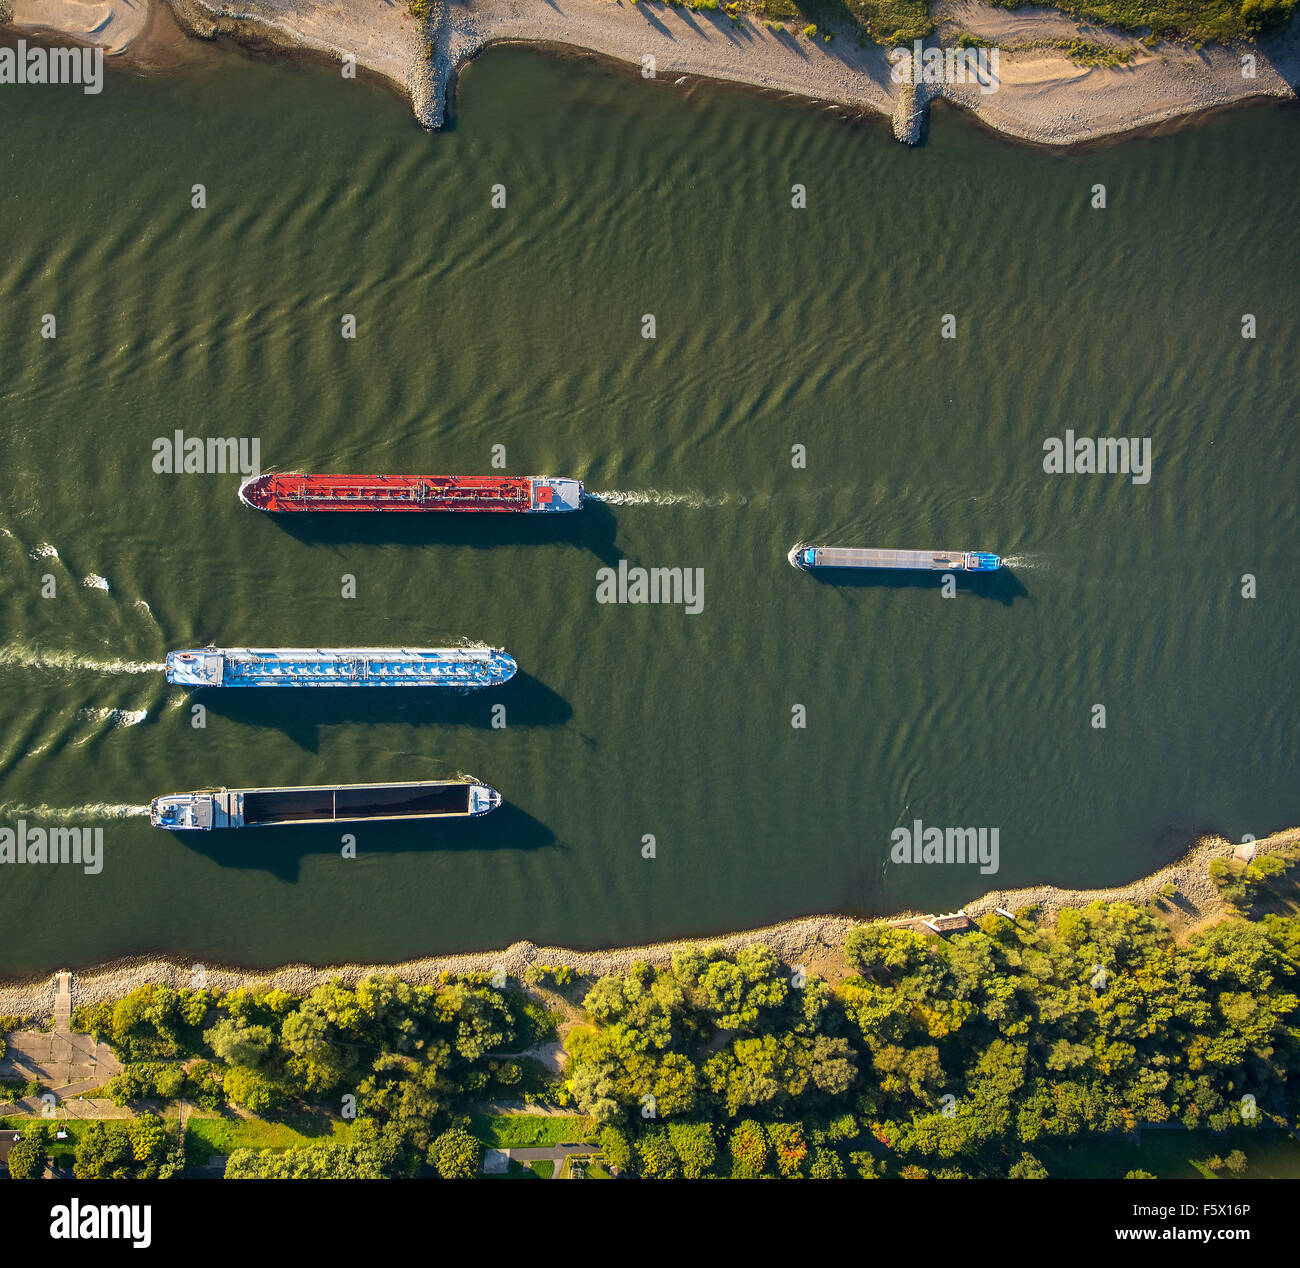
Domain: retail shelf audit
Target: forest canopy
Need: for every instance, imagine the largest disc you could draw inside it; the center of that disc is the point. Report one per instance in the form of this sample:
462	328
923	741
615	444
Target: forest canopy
932	1056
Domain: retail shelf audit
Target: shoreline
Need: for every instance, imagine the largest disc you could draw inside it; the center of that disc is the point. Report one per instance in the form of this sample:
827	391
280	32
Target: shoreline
801	940
1043	97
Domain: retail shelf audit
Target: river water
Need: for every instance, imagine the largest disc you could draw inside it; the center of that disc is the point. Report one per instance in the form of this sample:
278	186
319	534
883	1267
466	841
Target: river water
775	327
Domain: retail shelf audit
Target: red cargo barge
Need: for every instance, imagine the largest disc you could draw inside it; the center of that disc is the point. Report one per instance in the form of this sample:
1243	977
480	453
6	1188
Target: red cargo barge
291	491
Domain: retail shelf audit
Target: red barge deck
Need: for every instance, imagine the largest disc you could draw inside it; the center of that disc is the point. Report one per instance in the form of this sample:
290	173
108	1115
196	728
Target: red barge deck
291	491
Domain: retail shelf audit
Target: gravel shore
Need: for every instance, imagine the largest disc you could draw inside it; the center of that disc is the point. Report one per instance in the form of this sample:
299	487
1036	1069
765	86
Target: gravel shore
810	941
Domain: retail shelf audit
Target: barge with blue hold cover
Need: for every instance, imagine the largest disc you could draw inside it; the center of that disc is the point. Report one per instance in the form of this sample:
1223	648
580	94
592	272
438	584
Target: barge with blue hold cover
340	667
212	808
808	557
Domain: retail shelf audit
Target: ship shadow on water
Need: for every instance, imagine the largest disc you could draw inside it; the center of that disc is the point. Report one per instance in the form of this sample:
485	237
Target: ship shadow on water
280	851
303	712
1003	586
592	528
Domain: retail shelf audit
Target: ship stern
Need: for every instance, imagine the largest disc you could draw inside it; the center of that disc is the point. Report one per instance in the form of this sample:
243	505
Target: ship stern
181	812
556	493
482	800
194	667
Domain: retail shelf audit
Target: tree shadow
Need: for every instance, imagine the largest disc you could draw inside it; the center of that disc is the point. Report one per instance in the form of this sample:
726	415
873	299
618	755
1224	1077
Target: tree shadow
592	528
302	712
1002	586
280	851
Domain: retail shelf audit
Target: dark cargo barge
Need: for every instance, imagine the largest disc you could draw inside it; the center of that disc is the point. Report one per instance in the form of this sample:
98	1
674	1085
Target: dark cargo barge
343	803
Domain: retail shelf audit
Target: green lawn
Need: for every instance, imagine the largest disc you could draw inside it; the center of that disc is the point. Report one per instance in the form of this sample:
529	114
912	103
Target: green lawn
205	1137
1172	1155
519	1131
61	1150
544	1170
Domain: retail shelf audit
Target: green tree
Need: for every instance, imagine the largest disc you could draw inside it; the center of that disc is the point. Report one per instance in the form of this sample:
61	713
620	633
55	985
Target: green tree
616	1147
456	1155
695	1147
27	1156
238	1043
1027	1167
825	1165
656	1159
749	1150
251	1090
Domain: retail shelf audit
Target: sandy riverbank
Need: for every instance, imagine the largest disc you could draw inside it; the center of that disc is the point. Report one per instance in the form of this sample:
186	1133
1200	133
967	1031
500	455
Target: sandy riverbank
113	25
814	941
1043	96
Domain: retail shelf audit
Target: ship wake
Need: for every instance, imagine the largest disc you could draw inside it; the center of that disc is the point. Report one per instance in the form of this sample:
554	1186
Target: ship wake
19	657
657	497
72	814
116	718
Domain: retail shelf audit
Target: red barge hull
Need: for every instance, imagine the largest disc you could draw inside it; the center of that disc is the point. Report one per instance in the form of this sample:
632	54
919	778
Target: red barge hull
282	492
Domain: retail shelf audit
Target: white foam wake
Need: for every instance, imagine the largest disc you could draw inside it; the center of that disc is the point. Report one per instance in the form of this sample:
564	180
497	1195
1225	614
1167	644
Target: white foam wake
26	658
94	582
116	717
71	814
656	497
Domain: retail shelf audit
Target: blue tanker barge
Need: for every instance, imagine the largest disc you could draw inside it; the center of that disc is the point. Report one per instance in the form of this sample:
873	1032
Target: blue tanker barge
808	557
339	667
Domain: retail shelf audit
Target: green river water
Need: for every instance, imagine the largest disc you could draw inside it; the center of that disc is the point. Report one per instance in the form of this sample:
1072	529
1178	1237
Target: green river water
522	327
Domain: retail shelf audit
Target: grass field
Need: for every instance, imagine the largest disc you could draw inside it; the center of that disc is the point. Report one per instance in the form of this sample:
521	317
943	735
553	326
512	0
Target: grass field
520	1131
205	1137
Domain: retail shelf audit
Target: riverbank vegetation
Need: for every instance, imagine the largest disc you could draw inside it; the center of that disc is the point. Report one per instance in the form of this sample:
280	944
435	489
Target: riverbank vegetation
944	1058
397	1061
1219	20
899	22
1000	1051
1090	53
